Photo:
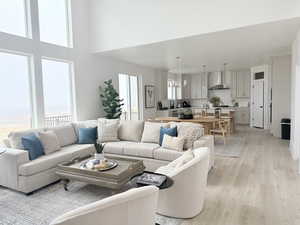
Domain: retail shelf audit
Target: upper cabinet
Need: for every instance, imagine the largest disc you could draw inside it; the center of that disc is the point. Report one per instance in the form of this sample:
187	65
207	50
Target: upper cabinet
199	86
240	84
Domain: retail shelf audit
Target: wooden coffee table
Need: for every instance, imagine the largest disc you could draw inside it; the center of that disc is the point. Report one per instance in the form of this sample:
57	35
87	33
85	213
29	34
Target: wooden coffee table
113	179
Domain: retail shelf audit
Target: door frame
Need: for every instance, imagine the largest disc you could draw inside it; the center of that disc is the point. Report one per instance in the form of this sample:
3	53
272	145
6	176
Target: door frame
267	93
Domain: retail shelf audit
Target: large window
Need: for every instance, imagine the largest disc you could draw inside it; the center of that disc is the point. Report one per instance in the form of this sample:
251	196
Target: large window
15	107
13	17
128	88
57	92
55	25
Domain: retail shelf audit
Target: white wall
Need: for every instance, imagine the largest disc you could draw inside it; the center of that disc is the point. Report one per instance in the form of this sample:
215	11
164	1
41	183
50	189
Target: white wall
118	23
295	99
281	85
87	87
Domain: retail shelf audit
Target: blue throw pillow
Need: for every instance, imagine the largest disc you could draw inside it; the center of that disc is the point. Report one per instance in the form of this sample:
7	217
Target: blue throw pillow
87	135
33	145
169	131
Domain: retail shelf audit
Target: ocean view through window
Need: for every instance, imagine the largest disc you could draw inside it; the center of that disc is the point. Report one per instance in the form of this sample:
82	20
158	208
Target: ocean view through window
15	97
57	92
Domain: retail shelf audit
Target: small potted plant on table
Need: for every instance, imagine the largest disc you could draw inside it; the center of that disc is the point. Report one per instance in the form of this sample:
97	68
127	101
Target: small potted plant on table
99	151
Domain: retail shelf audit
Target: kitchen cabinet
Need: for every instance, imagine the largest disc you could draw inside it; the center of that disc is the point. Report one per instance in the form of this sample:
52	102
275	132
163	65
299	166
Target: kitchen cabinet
240	84
162	113
242	115
199	87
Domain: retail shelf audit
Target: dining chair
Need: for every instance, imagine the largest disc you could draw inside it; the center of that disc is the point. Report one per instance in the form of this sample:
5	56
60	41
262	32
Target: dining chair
221	129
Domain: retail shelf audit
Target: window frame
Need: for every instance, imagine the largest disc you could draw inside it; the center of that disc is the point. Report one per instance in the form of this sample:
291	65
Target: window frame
69	26
30	79
71	84
27	22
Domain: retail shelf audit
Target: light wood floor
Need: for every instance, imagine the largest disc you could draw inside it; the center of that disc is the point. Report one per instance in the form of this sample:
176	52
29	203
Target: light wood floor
262	187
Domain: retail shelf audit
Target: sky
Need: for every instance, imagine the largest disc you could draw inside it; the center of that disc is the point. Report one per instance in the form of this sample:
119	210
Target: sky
15	101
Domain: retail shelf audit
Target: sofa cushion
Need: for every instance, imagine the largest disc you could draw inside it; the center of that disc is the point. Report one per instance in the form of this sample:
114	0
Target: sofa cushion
15	138
152	132
108	130
115	147
84	124
52	160
65	134
49	141
131	130
33	145
44	163
140	149
80	150
166	154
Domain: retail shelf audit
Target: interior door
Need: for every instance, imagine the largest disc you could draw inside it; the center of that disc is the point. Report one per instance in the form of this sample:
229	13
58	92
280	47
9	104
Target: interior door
258	103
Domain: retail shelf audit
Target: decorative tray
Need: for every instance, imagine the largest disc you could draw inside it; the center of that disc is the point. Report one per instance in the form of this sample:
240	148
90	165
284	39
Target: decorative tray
93	164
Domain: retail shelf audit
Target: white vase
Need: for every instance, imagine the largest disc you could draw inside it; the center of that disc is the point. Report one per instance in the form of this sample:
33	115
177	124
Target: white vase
99	156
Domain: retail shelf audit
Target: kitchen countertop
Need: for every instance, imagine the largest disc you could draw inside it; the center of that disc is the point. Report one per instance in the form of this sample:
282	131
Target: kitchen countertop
230	108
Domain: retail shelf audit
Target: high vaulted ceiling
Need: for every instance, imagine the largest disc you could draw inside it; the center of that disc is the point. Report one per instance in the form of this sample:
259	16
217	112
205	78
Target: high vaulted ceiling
240	48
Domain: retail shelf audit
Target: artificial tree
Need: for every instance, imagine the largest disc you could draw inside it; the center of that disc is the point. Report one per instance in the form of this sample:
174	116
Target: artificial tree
111	100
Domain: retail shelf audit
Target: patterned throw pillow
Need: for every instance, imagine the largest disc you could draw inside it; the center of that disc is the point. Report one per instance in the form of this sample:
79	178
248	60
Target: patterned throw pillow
108	130
190	132
173	143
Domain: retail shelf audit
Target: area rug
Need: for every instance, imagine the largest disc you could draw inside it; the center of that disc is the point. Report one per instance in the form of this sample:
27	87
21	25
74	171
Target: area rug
43	206
233	147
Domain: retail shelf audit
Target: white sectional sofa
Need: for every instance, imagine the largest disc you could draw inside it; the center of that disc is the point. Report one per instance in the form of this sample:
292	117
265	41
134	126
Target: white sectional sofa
152	154
19	173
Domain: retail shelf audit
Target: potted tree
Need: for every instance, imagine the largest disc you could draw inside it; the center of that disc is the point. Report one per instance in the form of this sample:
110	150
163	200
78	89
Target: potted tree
111	101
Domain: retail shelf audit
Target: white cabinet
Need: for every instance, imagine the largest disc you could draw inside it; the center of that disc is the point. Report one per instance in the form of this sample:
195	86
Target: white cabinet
199	87
242	115
240	84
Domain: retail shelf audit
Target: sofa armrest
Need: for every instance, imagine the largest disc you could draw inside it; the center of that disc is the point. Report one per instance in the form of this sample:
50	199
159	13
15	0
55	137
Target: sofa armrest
9	166
207	141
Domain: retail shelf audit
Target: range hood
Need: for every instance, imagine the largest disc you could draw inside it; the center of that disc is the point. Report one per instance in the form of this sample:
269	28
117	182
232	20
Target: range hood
217	81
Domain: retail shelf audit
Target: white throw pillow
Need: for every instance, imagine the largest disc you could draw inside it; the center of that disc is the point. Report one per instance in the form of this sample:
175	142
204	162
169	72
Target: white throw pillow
65	134
108	130
173	143
190	132
49	141
152	132
15	138
131	130
185	158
